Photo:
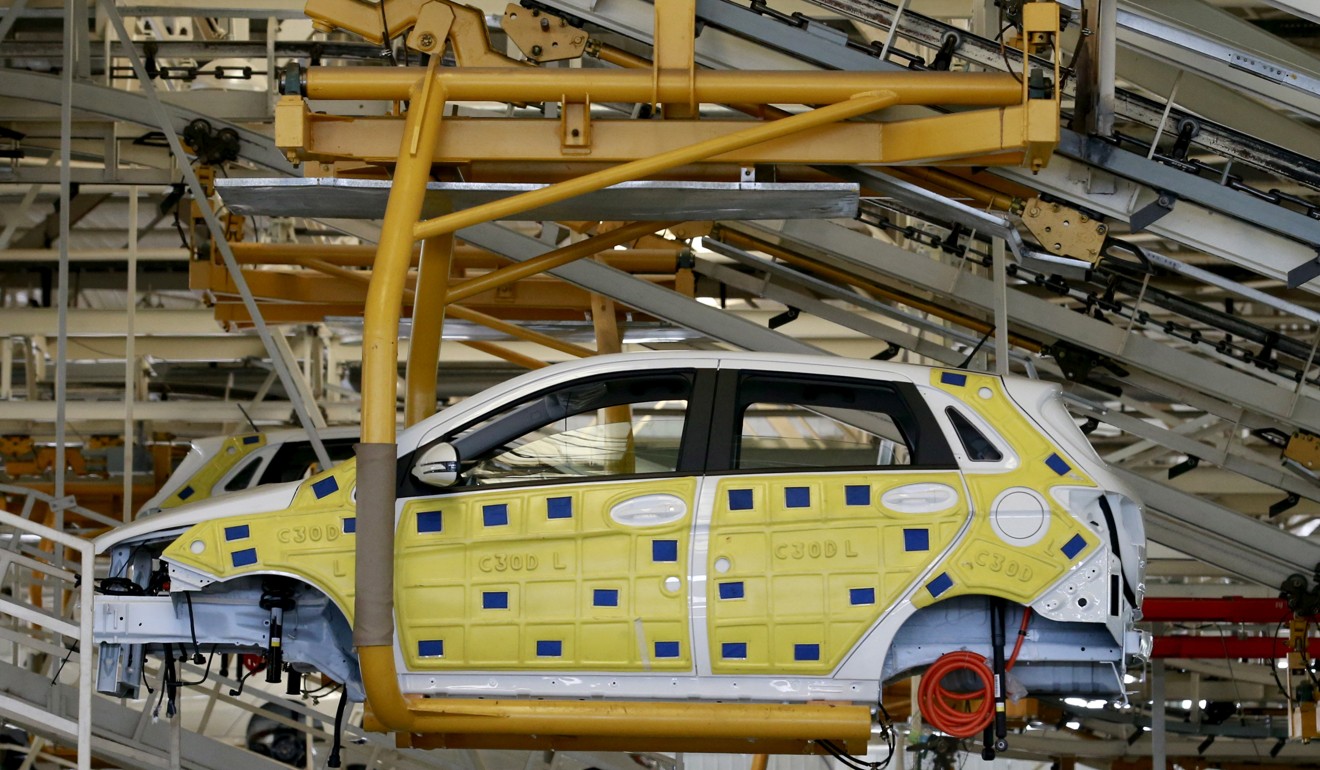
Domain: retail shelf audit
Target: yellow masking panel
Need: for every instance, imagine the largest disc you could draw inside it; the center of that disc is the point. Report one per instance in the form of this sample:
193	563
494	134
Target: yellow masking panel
201	483
984	563
312	539
544	578
800	567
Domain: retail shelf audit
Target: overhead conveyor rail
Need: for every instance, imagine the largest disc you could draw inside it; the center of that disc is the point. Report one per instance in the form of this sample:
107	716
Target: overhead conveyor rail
1283	239
1220	139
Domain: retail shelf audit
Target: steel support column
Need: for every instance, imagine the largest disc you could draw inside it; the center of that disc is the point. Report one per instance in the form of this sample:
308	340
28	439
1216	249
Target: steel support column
163	120
428	325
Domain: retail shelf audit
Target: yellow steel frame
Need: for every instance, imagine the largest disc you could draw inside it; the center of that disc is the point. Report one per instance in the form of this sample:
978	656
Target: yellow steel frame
1018	126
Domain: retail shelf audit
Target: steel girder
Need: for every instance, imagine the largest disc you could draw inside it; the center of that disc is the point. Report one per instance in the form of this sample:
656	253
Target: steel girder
1045	320
133	107
1175	441
1205	216
1219	536
1280	74
637	293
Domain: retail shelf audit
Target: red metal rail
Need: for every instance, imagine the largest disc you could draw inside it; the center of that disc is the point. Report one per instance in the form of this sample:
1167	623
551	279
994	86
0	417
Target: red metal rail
1229	609
1227	647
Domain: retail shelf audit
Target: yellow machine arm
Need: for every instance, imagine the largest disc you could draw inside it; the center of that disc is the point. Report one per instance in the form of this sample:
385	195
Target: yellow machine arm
429	24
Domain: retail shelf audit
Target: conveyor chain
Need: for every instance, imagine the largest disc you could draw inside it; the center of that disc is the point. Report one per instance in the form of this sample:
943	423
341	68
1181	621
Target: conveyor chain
1235	182
1112	291
1269	350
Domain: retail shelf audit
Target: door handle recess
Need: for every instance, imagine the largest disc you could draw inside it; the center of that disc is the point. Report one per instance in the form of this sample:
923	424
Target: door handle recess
649	510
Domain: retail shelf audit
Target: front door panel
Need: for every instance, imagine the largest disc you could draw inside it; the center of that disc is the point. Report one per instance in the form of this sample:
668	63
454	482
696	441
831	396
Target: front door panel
546	578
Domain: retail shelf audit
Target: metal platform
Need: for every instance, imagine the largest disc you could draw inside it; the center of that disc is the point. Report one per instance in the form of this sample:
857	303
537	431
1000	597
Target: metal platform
631	201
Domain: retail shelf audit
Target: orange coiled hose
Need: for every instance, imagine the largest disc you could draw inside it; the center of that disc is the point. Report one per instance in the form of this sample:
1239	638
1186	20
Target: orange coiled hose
946	711
941	708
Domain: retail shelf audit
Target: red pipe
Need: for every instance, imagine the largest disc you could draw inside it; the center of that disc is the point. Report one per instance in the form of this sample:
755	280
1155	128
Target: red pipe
1229	609
1227	647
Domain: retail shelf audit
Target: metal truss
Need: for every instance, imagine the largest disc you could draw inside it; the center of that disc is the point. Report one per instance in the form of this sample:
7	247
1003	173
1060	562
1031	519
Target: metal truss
1046	321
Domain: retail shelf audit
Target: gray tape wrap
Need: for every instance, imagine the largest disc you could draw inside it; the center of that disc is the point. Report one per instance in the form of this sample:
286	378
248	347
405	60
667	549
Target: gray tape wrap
373	606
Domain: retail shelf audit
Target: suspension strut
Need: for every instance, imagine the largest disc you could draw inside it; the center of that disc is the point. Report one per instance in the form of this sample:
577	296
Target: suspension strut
276	597
997	639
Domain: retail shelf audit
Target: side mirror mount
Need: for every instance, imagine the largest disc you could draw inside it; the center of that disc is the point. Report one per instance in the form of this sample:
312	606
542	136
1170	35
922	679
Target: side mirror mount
437	466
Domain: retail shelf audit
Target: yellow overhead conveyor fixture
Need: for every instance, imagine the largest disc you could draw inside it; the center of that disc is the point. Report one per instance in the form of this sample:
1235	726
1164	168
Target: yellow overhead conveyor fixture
1014	126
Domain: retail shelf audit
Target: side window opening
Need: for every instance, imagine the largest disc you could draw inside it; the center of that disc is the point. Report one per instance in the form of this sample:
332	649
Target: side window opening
979	448
243	479
617	427
295	459
794	422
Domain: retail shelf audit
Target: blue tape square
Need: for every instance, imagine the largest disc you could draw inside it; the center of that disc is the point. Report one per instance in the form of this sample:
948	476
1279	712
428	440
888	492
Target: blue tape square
251	439
494	600
952	378
239	532
664	550
431	648
350	525
559	508
806	652
1058	464
1073	546
244	557
733	650
429	521
326	486
666	649
186	492
916	539
495	515
861	596
605	597
549	648
732	590
797	497
740	499
857	494
940	584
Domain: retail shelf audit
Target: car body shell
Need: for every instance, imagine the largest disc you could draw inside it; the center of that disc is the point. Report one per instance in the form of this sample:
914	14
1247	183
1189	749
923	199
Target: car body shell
706	581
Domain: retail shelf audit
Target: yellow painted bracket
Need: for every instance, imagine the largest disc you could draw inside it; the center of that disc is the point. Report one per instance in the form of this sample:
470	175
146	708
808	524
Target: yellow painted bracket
542	36
429	23
1040	26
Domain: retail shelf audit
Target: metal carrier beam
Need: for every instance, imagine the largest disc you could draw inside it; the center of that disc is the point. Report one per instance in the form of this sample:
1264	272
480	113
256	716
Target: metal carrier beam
1276	244
986	53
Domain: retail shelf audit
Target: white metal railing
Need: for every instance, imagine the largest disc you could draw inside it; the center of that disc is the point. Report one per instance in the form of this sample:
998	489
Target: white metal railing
56	571
50	564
